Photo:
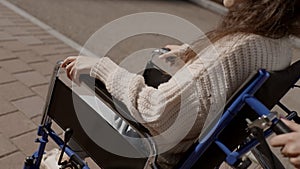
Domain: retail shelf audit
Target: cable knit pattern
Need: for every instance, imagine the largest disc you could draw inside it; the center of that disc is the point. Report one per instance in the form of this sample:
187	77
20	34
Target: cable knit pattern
194	91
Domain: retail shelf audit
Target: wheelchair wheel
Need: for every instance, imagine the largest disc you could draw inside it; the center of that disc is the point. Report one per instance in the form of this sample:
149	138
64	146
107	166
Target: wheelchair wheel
267	160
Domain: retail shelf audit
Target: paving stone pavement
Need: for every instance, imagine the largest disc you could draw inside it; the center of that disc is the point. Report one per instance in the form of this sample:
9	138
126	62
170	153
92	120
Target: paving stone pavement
27	56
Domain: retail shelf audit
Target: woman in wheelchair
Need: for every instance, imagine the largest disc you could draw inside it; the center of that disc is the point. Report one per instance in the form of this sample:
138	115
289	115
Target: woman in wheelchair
253	35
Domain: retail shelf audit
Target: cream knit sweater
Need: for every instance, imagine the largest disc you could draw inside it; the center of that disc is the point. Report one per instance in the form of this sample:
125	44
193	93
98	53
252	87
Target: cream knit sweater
175	112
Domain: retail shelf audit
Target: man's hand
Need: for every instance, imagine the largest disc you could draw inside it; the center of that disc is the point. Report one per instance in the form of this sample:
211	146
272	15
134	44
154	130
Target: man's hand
289	142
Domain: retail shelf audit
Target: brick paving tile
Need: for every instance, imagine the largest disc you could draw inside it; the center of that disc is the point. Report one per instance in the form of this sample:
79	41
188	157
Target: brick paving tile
290	101
9	11
14	45
37	120
41	90
14	124
64	49
296	54
15	66
35	29
6	107
5	36
32	78
6	54
6	146
44	50
55	58
6	77
7	15
49	77
5	12
24	24
42	33
29	56
47	36
30	40
15	31
49	40
13	161
14	90
39	34
30	106
6	23
26	142
18	21
21	21
46	68
14	17
72	53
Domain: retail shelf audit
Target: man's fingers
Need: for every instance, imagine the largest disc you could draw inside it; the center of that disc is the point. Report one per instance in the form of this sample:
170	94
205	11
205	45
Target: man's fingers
289	151
293	126
295	161
279	140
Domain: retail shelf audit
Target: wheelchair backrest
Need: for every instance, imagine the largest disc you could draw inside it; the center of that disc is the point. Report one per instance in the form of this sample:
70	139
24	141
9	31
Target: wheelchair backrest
64	107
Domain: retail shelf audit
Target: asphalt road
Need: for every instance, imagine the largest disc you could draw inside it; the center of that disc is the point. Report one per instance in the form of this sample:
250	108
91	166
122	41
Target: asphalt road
79	19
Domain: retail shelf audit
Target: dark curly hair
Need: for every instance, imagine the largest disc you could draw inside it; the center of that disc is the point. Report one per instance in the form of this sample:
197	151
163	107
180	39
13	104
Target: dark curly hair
269	18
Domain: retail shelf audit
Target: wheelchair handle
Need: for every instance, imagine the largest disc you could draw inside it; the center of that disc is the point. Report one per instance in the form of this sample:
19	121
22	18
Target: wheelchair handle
280	128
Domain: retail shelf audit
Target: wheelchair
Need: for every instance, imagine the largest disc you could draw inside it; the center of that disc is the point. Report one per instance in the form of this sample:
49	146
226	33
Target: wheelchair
247	116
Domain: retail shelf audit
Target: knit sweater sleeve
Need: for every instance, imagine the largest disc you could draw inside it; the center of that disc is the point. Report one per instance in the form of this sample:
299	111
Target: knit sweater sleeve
156	108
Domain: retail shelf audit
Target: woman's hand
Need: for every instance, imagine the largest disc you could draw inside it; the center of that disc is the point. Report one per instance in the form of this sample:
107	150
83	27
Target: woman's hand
289	142
77	65
178	54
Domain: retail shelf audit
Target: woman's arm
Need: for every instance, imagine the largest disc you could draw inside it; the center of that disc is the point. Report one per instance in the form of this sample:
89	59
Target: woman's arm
156	108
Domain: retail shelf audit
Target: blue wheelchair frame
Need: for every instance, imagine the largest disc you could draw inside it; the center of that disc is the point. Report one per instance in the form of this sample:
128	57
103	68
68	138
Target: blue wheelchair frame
245	97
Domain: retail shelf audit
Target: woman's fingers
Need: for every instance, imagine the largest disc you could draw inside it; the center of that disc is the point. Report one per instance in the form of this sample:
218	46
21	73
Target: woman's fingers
168	54
68	60
172	47
77	65
68	68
